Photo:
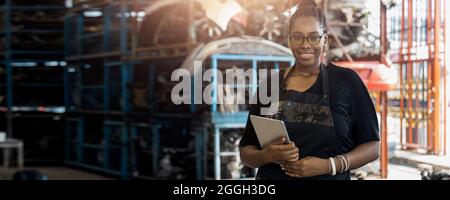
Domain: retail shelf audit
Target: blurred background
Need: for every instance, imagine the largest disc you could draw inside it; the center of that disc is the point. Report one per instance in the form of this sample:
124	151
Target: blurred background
85	85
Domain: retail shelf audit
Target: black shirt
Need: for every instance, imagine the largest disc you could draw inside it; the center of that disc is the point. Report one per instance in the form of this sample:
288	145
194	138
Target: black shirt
354	116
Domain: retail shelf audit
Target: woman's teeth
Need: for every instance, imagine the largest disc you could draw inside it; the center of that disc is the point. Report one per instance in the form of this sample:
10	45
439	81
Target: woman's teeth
306	55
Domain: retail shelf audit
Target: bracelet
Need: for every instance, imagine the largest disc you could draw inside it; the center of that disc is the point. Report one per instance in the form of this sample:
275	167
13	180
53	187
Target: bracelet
333	166
344	158
329	166
343	164
348	162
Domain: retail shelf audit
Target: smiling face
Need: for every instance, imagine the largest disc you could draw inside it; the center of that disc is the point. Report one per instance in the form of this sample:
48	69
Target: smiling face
306	54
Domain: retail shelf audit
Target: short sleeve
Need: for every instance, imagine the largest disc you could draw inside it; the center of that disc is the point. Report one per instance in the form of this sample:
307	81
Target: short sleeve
364	118
249	137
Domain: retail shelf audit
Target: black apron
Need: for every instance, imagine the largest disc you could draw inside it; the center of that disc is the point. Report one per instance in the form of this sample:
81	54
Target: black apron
309	123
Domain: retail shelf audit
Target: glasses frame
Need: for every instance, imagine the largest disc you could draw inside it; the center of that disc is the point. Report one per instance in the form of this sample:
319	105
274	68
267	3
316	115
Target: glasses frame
308	38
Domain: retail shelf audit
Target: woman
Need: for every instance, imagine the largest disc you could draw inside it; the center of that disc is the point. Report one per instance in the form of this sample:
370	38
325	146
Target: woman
327	110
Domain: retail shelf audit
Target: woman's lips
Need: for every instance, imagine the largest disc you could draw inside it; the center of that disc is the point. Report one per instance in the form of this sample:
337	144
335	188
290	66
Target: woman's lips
305	56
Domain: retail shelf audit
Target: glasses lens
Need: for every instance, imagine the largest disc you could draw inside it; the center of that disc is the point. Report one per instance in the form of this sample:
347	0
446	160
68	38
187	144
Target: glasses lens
297	40
314	39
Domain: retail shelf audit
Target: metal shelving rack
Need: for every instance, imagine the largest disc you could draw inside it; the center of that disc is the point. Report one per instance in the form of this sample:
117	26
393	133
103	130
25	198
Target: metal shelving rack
98	81
37	58
95	82
31	63
416	32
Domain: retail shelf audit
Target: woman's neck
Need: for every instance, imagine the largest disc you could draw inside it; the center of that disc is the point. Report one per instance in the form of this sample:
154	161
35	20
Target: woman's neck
307	69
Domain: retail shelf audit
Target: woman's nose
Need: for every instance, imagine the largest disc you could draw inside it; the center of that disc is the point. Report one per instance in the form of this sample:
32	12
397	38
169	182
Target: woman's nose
305	45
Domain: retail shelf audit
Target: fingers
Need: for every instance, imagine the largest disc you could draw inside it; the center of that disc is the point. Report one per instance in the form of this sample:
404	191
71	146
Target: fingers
279	141
283	152
290	155
292	166
291	151
287	147
295	168
294	158
293	175
291	169
288	167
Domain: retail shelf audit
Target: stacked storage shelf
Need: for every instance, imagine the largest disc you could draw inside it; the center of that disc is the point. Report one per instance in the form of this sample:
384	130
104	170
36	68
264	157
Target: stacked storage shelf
31	68
95	79
112	124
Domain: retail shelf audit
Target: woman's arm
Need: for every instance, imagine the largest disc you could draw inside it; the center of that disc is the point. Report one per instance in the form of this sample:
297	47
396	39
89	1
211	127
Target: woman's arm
313	166
277	151
253	157
363	154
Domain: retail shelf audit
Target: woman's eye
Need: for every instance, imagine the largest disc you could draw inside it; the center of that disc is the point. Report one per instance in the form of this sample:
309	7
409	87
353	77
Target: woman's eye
314	38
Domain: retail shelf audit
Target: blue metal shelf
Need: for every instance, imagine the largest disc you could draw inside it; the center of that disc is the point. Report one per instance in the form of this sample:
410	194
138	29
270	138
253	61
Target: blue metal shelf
80	144
75	35
92	87
14	53
30	8
111	87
97	146
45	109
39	84
30	61
60	53
90	35
32	31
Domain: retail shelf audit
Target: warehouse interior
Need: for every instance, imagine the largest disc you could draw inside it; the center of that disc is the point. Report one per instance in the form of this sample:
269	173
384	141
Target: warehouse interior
85	85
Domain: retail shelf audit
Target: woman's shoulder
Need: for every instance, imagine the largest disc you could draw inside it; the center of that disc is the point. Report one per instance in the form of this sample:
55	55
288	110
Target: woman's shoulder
343	74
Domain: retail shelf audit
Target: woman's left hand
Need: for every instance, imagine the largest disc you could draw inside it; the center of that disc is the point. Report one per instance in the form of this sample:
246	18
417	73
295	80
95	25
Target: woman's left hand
306	167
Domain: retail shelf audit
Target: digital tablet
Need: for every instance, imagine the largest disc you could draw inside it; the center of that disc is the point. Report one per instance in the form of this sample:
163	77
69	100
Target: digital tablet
267	130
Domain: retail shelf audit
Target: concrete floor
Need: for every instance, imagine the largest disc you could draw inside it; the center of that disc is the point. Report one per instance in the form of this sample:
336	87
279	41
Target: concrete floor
401	172
55	173
398	172
395	172
416	159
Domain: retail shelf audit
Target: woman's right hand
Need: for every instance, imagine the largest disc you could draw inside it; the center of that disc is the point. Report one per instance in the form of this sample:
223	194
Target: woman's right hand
277	151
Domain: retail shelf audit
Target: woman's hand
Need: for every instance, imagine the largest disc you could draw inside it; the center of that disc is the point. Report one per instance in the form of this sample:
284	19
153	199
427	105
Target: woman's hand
306	167
277	151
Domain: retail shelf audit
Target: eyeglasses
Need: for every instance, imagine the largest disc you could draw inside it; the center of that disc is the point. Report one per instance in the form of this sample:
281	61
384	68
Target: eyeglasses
312	39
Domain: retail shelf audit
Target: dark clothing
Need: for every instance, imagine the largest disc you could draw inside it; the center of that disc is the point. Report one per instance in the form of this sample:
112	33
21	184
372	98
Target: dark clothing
353	122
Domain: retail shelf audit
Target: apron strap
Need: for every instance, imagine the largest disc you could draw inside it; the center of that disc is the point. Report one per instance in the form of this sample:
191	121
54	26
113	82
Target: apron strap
283	75
326	90
325	82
